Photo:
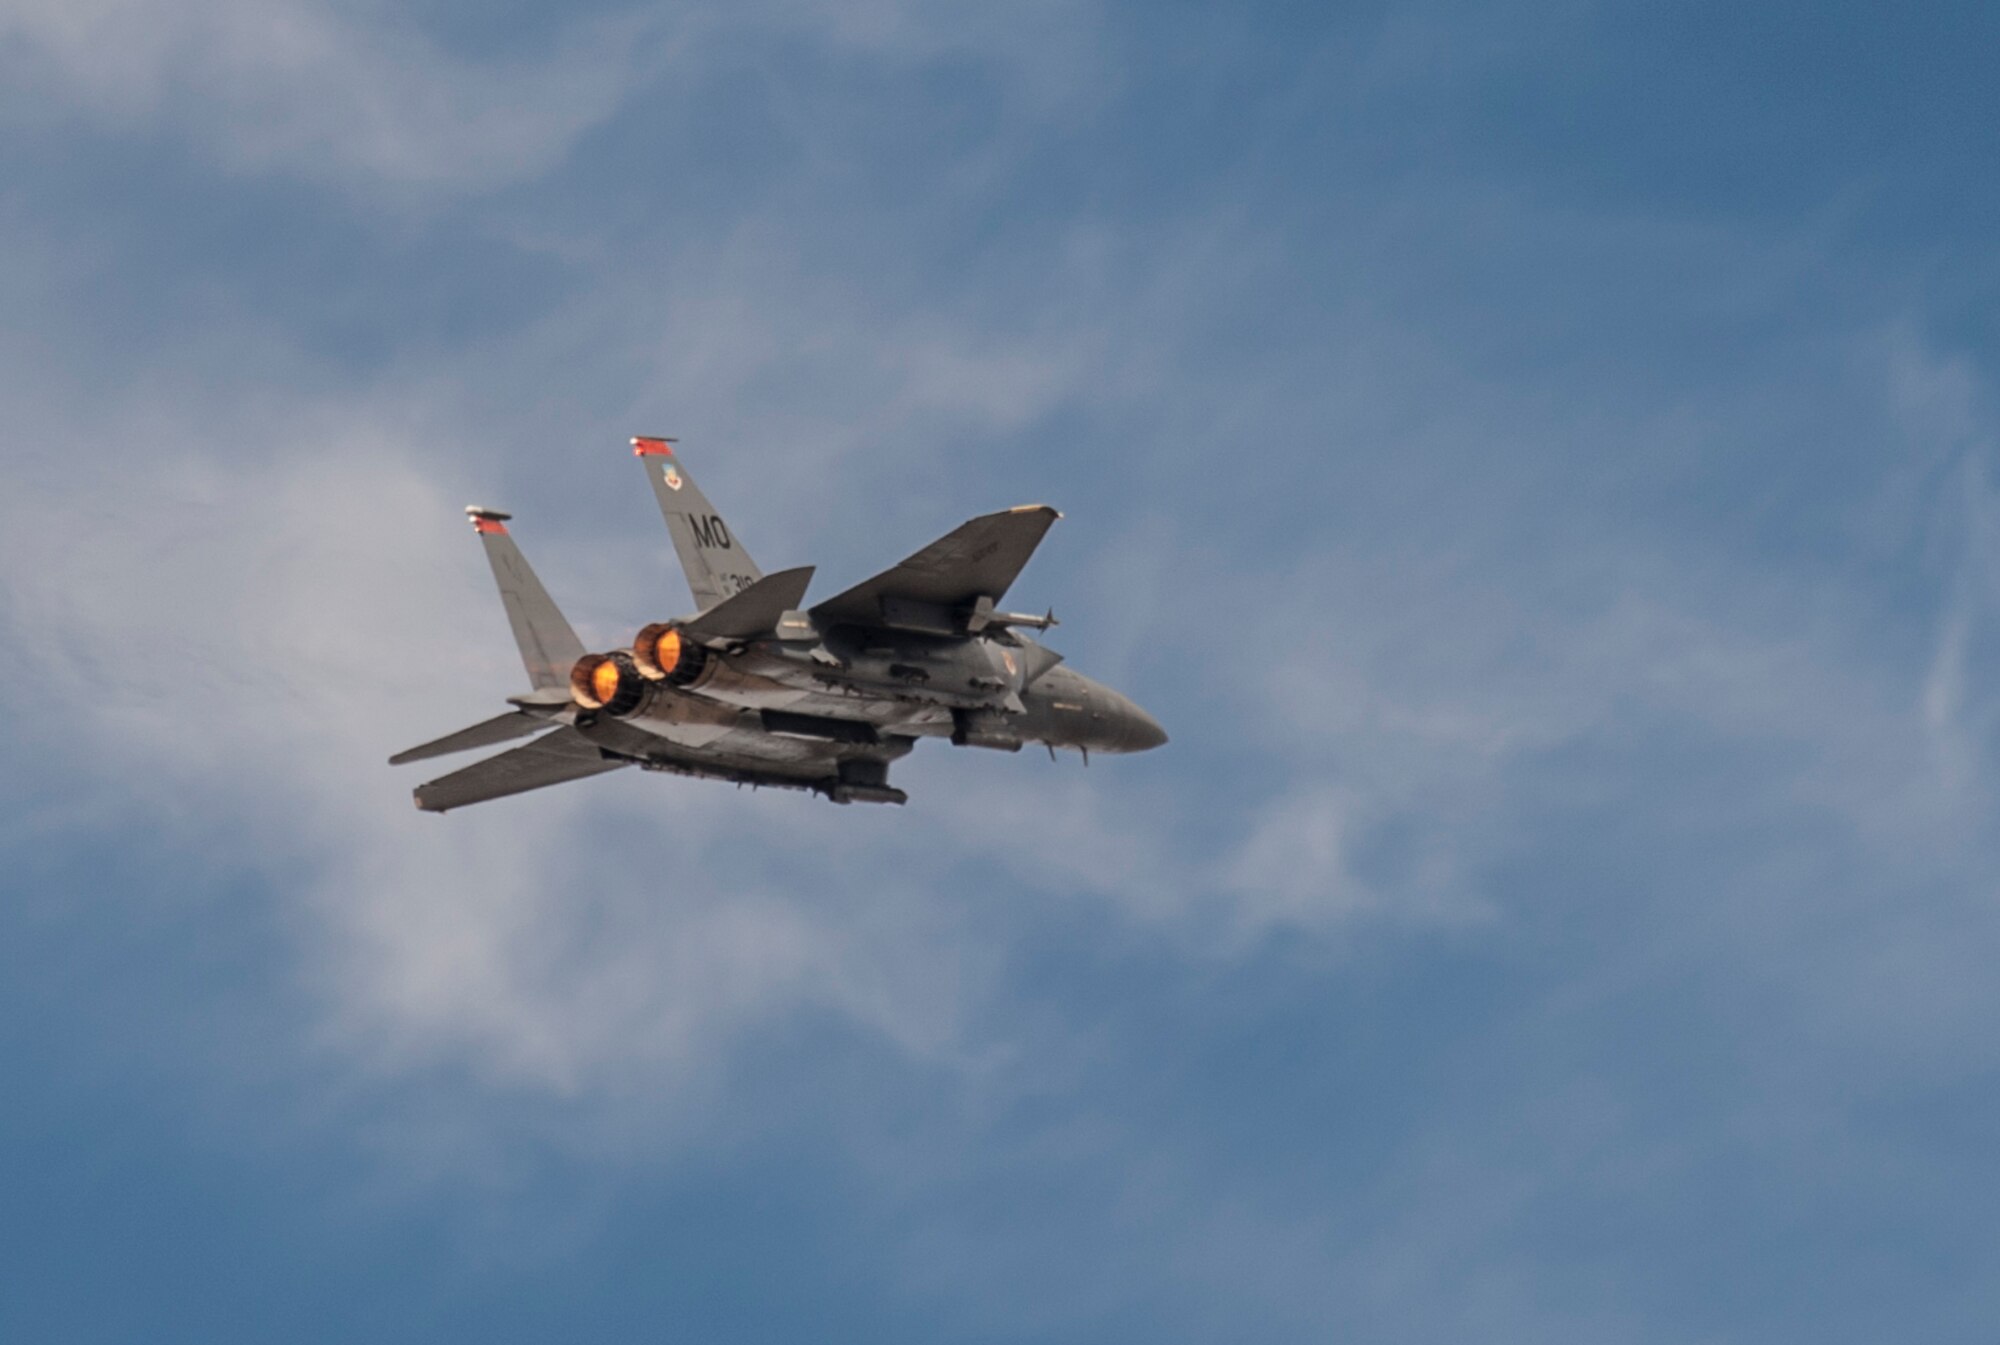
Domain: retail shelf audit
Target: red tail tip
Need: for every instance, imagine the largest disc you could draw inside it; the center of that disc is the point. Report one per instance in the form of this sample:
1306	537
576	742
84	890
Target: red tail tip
647	446
486	525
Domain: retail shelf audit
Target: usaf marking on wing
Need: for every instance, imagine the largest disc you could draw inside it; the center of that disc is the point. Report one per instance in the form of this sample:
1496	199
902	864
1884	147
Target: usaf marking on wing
759	690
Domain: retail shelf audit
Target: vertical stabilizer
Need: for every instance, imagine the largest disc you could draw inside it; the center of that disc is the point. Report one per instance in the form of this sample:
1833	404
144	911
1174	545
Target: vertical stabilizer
549	648
715	563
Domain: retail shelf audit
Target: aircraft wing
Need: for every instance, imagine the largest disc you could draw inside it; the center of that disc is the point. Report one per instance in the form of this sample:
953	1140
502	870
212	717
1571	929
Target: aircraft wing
551	760
754	611
977	559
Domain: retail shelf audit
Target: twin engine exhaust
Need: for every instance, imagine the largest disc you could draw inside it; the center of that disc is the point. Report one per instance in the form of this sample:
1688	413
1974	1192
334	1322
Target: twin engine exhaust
617	683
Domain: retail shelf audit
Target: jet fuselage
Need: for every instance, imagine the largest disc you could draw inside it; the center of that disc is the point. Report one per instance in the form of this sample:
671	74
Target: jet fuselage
756	689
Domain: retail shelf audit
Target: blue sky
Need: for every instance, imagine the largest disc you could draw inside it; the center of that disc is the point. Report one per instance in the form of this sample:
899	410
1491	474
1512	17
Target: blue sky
1536	461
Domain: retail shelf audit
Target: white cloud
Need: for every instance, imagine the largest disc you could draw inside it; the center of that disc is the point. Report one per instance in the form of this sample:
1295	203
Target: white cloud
241	617
222	605
318	89
258	636
259	639
249	631
361	94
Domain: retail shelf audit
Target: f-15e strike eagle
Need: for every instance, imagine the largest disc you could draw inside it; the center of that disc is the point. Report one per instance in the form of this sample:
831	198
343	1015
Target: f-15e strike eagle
759	690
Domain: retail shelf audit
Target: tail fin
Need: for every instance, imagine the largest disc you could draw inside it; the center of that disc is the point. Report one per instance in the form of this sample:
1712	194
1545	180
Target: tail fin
715	563
549	648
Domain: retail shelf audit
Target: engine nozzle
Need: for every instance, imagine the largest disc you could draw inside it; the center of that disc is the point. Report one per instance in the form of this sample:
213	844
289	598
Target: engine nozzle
607	682
663	654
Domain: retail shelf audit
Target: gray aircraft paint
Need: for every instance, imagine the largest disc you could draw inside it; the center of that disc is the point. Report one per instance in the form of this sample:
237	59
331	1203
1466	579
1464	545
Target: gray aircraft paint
548	646
764	693
715	563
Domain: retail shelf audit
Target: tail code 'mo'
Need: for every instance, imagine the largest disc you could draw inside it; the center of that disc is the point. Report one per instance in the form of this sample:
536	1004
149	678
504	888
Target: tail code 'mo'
716	565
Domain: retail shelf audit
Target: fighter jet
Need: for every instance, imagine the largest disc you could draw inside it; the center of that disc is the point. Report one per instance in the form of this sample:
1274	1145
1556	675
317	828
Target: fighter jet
759	689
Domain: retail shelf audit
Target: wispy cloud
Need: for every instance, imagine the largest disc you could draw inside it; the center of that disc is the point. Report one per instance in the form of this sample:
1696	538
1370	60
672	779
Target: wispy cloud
265	634
366	96
1582	696
315	89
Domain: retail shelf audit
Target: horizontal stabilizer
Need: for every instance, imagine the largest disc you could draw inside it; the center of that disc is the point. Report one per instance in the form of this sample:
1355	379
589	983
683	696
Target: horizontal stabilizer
562	755
754	611
978	559
544	698
499	729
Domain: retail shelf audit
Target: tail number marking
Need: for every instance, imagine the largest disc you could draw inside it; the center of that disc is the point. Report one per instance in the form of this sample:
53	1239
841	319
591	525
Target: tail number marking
710	532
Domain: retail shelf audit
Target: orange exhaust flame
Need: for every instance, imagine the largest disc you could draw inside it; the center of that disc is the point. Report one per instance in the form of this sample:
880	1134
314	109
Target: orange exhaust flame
582	678
604	682
660	651
667	651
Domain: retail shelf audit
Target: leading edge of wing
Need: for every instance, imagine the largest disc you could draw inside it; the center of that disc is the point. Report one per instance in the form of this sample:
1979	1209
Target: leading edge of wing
754	611
979	558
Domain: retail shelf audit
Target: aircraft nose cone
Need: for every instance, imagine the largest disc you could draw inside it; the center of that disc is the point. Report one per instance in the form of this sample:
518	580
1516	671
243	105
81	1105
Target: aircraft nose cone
1142	732
1147	733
